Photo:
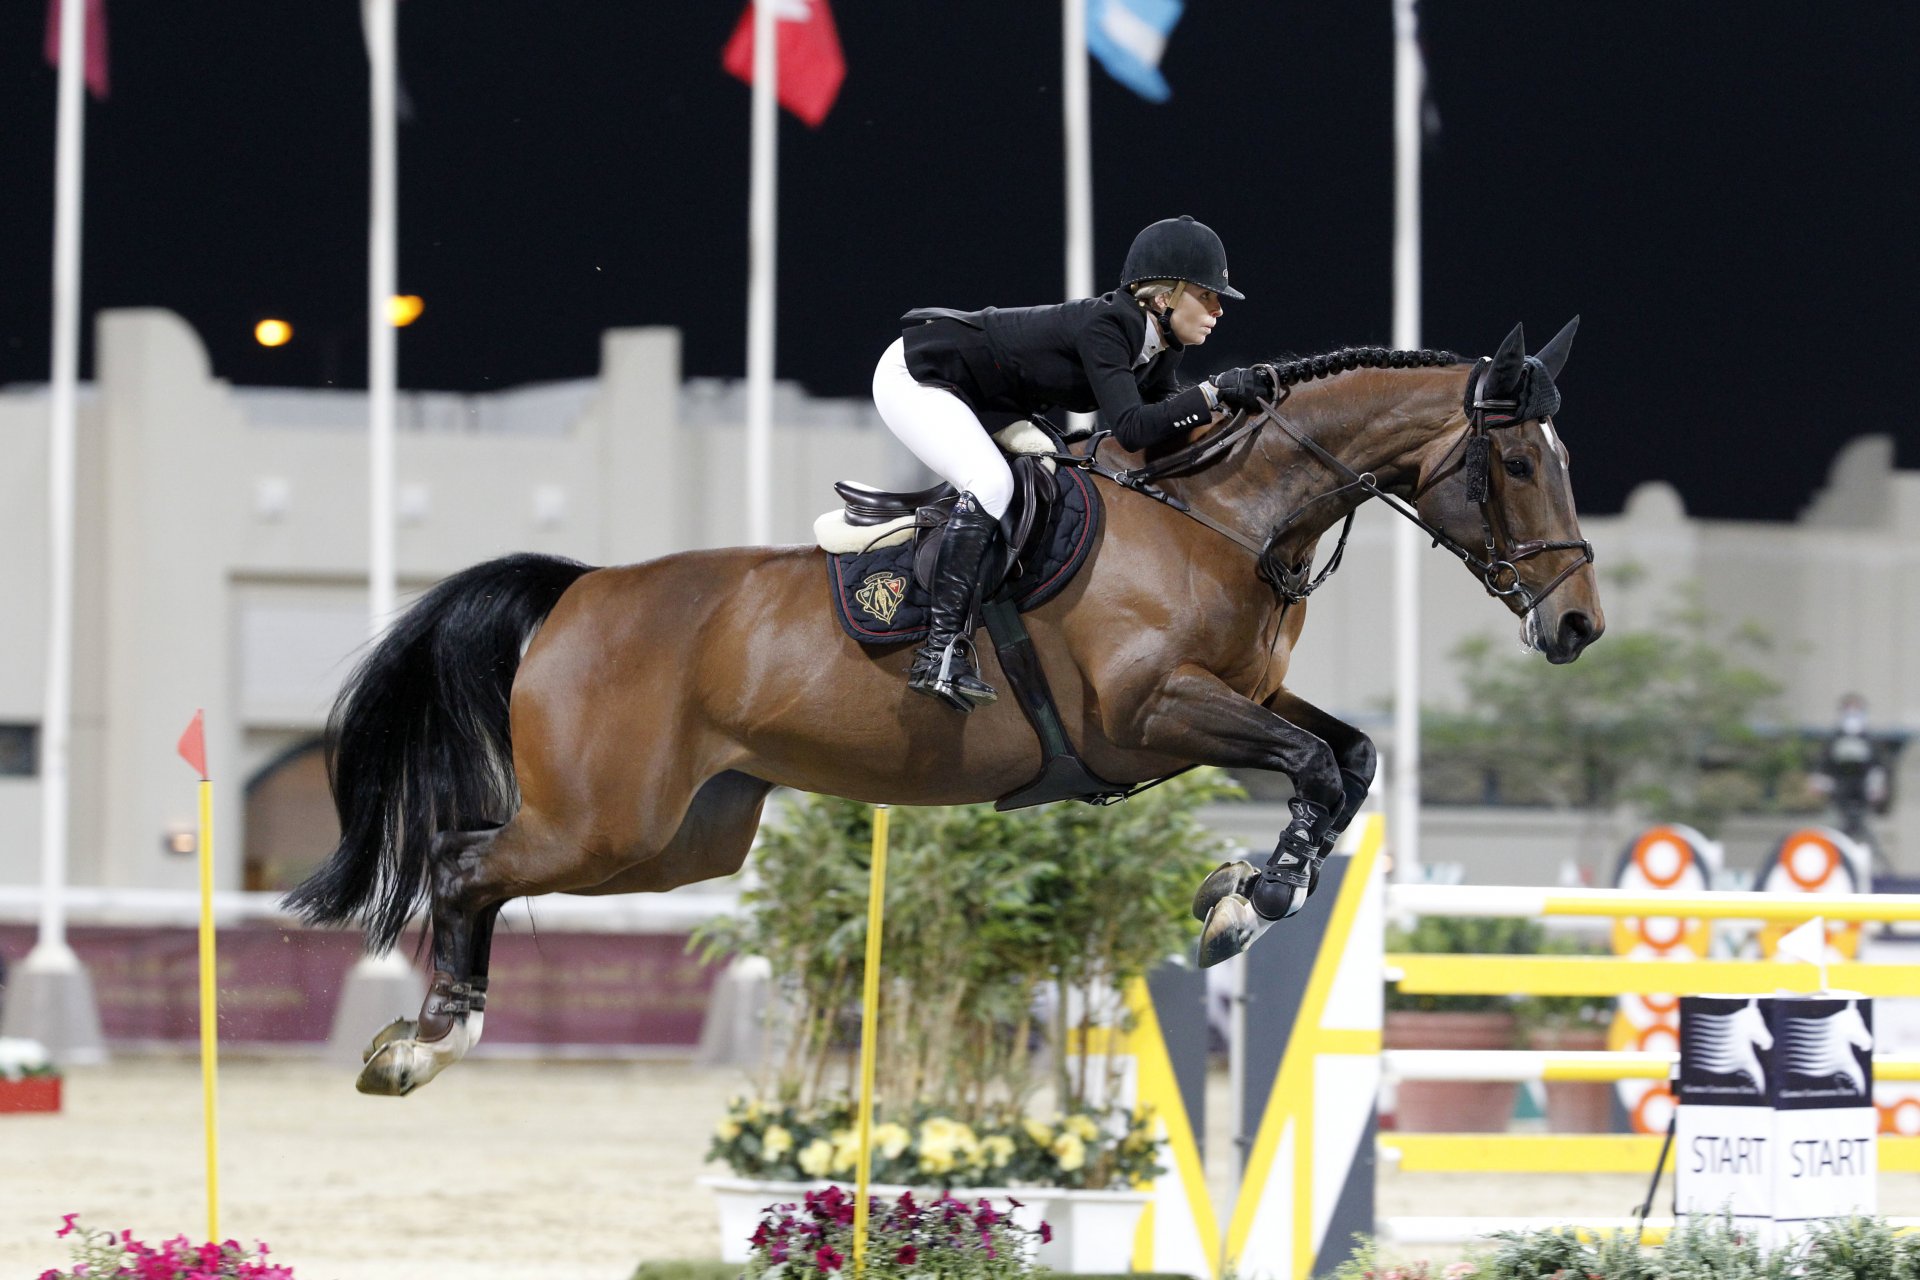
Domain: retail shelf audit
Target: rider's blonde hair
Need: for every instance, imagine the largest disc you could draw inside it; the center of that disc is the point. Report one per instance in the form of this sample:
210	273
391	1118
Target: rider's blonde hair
1145	291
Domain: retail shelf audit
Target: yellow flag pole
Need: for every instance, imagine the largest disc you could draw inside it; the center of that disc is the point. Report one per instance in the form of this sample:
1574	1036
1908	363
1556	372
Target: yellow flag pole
209	1013
193	749
869	1027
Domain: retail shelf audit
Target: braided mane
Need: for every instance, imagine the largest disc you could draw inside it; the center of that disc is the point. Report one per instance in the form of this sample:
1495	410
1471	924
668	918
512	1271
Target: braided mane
1307	368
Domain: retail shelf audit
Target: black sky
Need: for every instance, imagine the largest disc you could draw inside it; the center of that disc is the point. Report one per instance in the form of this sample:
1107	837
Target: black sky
1726	193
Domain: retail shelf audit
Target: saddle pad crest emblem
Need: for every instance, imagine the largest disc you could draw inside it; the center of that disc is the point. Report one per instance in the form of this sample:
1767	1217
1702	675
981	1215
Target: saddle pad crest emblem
880	594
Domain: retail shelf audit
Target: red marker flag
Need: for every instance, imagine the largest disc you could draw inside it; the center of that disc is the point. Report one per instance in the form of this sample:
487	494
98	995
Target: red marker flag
811	65
96	43
193	744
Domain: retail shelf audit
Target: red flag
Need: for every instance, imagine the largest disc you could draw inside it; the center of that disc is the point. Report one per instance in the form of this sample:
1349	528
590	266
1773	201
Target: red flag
811	65
96	43
193	744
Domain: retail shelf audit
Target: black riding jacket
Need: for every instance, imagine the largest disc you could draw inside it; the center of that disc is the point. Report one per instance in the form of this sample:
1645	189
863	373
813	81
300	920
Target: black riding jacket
1007	362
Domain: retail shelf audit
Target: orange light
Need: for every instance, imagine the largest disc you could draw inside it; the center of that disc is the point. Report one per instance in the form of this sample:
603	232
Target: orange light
403	309
273	333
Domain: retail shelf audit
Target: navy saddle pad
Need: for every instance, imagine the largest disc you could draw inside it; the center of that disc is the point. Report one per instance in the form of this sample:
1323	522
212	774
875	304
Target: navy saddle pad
878	601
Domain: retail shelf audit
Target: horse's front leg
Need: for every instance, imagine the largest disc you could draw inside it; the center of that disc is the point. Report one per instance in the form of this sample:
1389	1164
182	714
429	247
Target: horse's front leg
1199	717
1358	761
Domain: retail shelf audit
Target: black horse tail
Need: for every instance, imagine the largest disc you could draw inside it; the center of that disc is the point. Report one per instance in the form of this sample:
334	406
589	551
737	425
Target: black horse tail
418	740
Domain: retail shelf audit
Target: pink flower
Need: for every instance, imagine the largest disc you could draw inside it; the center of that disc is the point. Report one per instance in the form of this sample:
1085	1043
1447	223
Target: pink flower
66	1225
1046	1233
50	1275
908	1255
1459	1270
828	1260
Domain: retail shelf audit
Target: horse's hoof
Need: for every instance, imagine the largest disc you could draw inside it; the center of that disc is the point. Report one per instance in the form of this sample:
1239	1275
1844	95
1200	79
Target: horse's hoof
1225	879
393	1071
1231	927
398	1029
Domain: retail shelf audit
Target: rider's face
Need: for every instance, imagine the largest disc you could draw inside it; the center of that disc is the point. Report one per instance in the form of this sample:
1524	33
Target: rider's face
1194	314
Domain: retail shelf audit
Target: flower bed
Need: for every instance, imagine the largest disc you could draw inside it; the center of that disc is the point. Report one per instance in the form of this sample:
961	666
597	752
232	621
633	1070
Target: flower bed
1851	1249
946	1237
103	1255
787	1143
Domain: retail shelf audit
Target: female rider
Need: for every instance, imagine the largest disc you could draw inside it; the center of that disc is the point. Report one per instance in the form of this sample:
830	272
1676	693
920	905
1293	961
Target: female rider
953	377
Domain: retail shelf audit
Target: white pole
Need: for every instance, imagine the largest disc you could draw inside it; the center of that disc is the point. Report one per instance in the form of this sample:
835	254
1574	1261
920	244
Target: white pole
1408	77
56	723
381	334
761	242
1073	53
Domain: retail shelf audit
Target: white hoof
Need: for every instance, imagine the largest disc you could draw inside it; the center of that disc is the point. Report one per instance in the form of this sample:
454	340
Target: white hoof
400	1066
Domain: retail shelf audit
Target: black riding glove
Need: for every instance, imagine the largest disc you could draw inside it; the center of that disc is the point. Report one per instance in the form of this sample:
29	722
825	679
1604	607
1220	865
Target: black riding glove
1243	388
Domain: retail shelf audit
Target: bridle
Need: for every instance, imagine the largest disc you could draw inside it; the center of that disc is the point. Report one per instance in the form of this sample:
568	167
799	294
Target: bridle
1495	566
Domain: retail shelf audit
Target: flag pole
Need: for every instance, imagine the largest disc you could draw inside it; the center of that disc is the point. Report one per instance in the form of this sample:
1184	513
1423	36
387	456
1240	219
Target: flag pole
193	749
52	999
381	334
1079	130
761	243
1409	75
1073	53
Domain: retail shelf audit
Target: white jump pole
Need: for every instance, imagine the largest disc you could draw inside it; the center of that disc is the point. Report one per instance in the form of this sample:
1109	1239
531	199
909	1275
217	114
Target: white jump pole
52	999
762	241
1408	78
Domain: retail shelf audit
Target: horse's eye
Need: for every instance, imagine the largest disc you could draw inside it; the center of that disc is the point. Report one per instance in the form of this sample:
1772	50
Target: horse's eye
1519	468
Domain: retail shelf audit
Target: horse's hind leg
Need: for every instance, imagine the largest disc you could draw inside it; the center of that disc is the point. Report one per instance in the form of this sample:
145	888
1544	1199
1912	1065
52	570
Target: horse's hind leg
409	1052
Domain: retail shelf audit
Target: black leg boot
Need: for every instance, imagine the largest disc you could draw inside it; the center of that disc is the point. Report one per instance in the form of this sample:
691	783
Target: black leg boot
943	664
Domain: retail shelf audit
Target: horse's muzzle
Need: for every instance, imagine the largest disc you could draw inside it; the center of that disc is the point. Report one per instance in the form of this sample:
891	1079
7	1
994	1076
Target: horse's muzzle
1577	630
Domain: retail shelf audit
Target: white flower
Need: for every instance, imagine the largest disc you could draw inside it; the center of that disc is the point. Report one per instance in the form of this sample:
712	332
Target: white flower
19	1056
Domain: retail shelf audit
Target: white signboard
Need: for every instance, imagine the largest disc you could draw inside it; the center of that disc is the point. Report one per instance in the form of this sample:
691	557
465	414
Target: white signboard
1776	1121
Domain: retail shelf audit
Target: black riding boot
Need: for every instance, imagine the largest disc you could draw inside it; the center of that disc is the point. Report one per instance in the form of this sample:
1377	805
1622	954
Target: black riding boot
943	665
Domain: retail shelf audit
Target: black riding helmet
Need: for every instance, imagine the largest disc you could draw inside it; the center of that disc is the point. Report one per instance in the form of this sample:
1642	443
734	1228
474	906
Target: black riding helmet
1179	249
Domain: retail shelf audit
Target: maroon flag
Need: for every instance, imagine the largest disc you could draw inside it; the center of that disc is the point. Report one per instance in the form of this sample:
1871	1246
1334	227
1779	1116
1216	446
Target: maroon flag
96	43
811	65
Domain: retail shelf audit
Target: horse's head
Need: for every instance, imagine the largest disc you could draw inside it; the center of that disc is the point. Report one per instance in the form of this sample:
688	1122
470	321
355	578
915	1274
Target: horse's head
1503	493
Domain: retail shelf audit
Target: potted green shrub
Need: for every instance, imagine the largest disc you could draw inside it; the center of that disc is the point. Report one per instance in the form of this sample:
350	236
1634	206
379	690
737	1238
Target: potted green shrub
1456	1022
975	1090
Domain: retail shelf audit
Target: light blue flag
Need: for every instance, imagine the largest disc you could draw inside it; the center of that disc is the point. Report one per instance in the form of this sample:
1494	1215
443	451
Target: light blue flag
1128	36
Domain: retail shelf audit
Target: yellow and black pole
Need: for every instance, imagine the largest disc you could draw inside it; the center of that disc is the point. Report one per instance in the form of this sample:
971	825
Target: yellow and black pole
869	1033
193	749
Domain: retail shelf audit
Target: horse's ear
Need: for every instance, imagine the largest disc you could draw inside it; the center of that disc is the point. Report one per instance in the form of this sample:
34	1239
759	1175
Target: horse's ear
1509	365
1554	355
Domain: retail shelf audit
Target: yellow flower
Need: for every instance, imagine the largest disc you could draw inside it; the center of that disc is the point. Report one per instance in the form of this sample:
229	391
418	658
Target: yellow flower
753	1111
936	1161
1041	1134
776	1142
727	1130
846	1150
891	1139
997	1149
1082	1126
1069	1152
816	1158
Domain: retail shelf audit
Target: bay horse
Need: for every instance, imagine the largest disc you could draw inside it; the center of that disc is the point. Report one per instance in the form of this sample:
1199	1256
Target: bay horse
532	725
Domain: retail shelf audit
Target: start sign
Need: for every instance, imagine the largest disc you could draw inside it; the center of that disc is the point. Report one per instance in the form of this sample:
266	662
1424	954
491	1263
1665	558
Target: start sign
1776	1120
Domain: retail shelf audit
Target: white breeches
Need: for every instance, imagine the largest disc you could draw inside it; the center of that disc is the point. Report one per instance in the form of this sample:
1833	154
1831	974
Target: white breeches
941	431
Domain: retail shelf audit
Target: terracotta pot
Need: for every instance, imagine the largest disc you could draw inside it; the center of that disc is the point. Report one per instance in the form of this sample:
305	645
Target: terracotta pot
34	1093
1575	1106
1452	1106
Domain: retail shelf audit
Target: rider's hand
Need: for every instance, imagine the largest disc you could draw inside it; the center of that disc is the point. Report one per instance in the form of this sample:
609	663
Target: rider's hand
1243	388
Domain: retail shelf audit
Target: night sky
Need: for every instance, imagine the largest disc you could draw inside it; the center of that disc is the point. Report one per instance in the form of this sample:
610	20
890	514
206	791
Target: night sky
1726	193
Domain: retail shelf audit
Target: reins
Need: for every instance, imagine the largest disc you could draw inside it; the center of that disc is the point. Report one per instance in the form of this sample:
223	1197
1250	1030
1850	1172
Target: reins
1293	583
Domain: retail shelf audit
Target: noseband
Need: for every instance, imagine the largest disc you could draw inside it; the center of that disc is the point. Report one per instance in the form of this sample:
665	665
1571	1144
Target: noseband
1495	567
